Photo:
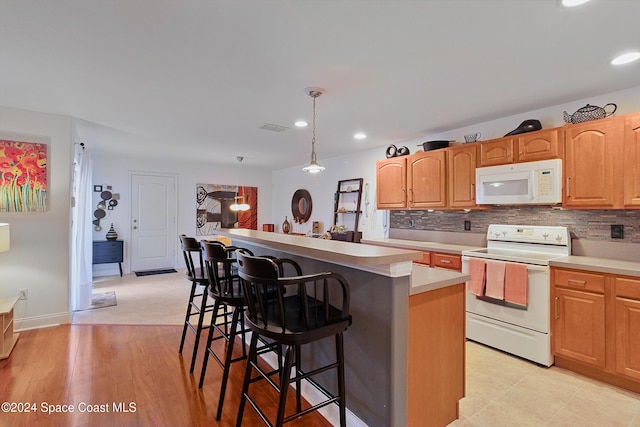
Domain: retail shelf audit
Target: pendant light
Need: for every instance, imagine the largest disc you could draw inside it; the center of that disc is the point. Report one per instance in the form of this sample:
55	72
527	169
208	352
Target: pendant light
313	166
236	206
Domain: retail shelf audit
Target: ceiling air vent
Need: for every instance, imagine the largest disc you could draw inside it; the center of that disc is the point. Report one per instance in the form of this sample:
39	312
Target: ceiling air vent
274	128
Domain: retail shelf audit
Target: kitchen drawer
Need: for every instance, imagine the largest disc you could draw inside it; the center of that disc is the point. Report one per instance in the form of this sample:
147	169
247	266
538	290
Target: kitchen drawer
448	261
592	282
627	288
426	258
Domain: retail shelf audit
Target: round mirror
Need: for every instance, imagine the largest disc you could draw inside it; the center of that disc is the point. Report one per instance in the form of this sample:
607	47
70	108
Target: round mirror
301	206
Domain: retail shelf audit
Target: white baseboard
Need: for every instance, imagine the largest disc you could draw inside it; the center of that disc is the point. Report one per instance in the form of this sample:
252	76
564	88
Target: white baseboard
38	322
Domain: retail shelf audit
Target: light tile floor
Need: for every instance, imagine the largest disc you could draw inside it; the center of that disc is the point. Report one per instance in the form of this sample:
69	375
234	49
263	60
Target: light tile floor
504	390
501	390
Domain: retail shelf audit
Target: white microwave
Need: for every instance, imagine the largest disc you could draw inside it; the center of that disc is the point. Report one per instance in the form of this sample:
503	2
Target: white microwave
531	183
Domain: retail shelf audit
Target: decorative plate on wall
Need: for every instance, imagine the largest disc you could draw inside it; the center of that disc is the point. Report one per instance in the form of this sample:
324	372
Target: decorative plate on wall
301	206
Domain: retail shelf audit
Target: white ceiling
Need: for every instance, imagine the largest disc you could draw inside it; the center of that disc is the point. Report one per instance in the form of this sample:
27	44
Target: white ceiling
197	78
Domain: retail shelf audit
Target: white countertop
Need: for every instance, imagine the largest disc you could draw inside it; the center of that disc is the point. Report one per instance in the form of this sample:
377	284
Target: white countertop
418	245
602	265
386	261
425	279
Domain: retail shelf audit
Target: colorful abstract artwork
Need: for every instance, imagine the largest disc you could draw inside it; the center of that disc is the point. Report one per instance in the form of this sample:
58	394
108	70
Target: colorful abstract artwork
23	176
213	208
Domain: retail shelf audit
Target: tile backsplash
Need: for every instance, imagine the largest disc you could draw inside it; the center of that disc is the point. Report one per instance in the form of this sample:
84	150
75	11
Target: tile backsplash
583	224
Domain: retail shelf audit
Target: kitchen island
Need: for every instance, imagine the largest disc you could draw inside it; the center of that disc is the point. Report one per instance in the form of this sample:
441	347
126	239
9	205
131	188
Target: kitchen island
404	352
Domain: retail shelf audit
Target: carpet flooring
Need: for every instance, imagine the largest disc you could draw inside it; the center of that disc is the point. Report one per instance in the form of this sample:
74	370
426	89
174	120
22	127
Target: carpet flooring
146	300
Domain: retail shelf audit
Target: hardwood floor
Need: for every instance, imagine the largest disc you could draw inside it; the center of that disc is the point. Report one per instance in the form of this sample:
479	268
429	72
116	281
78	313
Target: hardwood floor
132	373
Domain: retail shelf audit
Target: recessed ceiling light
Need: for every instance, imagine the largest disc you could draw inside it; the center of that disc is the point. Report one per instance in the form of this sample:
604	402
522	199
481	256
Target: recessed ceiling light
625	58
301	124
572	3
360	135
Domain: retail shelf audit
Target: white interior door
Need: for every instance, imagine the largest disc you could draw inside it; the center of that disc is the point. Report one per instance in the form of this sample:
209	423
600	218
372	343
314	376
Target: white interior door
153	221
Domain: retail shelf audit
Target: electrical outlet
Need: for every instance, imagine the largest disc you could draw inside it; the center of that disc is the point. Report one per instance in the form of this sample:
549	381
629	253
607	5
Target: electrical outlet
22	293
617	231
467	225
412	223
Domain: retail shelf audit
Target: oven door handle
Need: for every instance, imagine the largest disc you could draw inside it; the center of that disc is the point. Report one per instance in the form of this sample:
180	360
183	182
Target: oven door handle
530	267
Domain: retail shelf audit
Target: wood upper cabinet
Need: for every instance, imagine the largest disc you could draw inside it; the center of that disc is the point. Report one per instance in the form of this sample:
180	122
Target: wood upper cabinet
592	153
497	152
540	145
627	327
426	180
526	147
461	174
632	161
578	323
391	183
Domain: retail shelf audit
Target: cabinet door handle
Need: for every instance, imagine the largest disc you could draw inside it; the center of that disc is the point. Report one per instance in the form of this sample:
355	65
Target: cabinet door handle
577	282
568	191
445	261
411	196
555	308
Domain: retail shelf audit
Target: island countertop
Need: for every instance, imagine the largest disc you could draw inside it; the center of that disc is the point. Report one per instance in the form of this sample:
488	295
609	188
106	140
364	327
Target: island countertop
418	245
344	253
425	279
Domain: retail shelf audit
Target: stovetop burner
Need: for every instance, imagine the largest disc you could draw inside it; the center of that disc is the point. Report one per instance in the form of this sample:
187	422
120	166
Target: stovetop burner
525	244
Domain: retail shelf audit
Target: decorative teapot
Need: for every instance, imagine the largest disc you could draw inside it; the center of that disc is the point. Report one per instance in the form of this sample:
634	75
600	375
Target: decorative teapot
589	112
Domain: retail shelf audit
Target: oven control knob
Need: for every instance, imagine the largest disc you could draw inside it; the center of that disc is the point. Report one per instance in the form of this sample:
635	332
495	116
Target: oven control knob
504	233
497	234
558	238
545	235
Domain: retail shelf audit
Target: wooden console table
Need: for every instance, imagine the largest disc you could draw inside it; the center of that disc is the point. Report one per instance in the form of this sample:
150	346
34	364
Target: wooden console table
9	338
108	251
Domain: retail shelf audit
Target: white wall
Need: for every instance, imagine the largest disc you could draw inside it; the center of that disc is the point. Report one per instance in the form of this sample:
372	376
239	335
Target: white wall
628	101
322	187
39	256
114	170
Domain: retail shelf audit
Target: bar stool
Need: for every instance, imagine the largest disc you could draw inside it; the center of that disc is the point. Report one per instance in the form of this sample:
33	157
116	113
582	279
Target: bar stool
225	288
196	274
292	320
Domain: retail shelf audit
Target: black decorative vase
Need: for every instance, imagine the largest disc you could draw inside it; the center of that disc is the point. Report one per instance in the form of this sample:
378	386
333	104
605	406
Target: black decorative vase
111	234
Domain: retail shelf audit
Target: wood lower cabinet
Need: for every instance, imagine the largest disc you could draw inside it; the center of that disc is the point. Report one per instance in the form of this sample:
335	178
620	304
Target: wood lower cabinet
627	326
436	356
595	325
579	326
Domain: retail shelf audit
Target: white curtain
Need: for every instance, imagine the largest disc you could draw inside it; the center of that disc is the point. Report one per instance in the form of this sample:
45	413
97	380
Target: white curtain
81	234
